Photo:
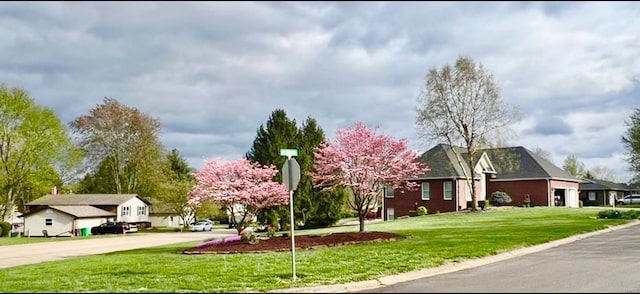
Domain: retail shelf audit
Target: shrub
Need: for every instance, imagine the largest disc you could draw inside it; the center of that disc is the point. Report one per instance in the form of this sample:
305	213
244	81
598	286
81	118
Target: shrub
5	228
371	215
248	236
486	203
499	198
271	231
580	204
422	210
613	213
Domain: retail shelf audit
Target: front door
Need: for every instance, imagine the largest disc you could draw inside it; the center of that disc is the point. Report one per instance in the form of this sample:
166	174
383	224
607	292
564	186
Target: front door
390	214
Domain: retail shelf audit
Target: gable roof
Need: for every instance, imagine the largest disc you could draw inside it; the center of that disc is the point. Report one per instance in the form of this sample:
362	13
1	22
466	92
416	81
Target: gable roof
442	162
521	163
85	199
591	184
510	163
79	211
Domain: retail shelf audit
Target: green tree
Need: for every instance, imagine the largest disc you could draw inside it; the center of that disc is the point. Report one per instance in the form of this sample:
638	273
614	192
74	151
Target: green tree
631	142
32	142
280	132
175	186
461	106
125	141
574	167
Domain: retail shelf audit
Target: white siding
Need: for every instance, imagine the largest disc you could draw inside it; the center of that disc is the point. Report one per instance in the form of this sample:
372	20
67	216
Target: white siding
61	223
132	216
165	221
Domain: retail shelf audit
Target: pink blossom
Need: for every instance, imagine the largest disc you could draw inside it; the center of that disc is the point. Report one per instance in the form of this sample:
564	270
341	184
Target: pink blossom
241	186
364	162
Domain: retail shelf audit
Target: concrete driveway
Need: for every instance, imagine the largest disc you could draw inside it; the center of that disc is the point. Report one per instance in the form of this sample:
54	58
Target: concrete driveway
15	255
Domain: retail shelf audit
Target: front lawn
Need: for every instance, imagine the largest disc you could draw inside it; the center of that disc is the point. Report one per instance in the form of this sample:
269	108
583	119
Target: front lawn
434	240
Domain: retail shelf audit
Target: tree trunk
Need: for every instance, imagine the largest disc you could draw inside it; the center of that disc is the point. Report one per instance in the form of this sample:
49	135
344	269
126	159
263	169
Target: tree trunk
361	220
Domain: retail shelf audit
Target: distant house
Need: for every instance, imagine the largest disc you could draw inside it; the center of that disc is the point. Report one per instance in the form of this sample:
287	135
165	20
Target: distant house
161	215
520	173
597	192
61	214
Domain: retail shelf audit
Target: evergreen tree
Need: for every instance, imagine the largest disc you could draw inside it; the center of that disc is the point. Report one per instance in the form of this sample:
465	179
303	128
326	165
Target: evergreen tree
280	133
311	207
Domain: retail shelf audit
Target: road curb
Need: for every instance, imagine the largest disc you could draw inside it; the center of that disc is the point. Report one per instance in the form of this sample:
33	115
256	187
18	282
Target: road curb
448	267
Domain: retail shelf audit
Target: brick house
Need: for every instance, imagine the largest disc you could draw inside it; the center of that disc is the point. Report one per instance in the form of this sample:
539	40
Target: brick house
515	170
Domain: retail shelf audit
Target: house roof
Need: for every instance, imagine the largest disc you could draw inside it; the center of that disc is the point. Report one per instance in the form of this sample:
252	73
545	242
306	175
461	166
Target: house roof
591	184
509	163
521	163
85	199
79	211
442	162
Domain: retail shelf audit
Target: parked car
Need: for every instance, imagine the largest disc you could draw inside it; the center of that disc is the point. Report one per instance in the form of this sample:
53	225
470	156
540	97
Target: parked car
201	226
132	228
629	199
110	228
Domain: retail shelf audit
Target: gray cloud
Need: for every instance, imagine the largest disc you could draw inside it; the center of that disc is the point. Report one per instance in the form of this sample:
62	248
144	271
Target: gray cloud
213	72
549	126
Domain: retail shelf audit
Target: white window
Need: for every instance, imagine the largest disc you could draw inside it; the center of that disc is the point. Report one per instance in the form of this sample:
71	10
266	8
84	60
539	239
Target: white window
142	210
448	190
48	222
592	195
390	214
426	193
126	210
388	191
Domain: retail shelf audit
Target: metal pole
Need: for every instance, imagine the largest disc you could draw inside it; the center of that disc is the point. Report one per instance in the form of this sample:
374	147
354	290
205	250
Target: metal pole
293	239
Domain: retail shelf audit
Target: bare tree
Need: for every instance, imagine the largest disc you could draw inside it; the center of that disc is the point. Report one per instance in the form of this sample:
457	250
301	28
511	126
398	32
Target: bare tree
573	166
601	172
461	106
124	137
542	153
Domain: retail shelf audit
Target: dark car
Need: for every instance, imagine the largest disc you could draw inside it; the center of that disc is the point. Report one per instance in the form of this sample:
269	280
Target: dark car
110	228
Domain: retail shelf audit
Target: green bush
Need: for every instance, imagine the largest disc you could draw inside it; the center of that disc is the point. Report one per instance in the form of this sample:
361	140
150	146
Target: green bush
580	204
499	198
5	228
613	213
422	210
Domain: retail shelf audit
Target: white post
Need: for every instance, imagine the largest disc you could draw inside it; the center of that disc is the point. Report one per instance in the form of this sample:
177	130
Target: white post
293	239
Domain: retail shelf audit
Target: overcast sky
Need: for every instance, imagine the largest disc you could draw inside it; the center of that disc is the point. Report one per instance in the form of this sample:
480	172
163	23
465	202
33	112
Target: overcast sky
213	72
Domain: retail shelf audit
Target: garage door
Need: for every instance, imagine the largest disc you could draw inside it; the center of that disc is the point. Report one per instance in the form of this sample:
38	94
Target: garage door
572	198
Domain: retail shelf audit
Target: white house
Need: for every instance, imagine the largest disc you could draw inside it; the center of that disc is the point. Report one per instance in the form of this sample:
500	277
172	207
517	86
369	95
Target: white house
64	220
77	211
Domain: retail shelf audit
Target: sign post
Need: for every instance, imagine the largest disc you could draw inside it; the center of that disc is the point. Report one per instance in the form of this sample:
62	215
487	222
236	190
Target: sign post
291	178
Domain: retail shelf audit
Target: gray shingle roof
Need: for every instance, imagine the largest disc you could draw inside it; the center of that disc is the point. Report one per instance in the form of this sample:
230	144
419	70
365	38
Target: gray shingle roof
83	211
85	199
520	163
591	184
442	162
509	162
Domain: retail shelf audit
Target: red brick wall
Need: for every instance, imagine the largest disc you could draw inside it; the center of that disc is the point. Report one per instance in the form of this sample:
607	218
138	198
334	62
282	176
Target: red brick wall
402	203
537	189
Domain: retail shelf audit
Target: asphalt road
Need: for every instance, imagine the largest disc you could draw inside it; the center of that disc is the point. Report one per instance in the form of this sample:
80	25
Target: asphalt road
15	255
606	262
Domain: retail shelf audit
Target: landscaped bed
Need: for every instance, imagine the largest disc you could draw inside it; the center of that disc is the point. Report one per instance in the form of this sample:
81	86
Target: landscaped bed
282	243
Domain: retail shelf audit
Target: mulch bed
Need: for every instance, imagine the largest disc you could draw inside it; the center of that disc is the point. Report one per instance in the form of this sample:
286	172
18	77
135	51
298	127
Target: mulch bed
281	243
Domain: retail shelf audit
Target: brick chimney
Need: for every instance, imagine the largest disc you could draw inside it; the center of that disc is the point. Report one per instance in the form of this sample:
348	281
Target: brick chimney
54	190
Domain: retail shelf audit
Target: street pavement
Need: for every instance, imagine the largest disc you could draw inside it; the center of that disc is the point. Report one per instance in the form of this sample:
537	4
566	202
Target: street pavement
15	255
602	261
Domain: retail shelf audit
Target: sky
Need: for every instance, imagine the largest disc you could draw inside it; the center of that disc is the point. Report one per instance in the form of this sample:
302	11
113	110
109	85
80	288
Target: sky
212	72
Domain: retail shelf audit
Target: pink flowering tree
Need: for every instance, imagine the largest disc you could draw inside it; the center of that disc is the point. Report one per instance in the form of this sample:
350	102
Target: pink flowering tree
243	187
364	163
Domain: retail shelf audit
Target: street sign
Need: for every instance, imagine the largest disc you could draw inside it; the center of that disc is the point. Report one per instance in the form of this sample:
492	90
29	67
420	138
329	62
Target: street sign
291	173
288	152
291	178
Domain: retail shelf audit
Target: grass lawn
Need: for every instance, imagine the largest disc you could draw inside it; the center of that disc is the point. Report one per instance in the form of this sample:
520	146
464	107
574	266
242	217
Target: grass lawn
434	240
25	240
